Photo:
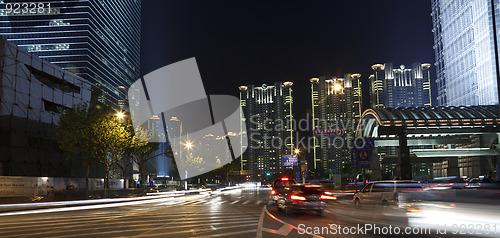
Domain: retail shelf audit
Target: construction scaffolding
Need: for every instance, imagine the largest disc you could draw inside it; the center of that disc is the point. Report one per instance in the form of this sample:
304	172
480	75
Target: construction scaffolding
33	93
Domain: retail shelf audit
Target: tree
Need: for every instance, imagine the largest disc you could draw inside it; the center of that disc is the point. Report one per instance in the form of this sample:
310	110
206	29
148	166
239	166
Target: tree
93	135
351	171
74	134
109	138
136	143
144	155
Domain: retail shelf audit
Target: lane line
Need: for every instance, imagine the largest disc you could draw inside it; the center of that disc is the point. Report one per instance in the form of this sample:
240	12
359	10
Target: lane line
166	234
86	207
130	228
231	234
77	223
284	230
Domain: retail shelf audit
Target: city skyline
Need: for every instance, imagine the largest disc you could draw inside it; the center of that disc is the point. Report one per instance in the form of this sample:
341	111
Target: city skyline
223	118
237	43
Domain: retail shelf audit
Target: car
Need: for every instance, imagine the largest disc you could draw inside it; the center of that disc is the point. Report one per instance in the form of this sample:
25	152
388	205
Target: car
481	182
391	192
279	186
303	197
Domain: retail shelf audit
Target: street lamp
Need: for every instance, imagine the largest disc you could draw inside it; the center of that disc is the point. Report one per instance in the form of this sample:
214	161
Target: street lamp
120	115
297	151
188	145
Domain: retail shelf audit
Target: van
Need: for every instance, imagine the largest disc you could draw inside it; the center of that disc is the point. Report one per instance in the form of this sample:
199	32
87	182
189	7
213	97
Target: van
392	192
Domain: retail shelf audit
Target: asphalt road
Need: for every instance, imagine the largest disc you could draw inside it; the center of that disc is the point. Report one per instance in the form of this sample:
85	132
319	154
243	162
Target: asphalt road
236	213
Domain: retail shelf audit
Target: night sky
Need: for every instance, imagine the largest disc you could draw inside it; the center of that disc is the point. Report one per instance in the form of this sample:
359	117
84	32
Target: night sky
254	42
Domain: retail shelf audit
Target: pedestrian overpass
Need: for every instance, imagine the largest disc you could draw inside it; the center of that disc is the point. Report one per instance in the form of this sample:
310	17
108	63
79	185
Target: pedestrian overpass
436	134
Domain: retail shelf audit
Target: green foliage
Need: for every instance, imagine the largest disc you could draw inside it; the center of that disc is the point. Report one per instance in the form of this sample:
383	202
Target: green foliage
97	135
74	129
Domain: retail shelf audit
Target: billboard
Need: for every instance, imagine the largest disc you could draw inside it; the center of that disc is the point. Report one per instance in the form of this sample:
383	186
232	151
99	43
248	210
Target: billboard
289	160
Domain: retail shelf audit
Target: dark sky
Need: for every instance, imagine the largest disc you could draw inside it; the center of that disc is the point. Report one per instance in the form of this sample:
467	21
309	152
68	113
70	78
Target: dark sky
255	42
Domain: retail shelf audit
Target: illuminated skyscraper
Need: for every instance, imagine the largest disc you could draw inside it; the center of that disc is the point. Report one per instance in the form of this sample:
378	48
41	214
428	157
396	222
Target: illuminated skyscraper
269	119
95	39
400	87
336	109
465	56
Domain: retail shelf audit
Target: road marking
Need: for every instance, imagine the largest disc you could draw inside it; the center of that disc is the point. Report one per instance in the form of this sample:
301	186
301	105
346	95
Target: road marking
246	202
85	207
235	201
283	231
257	203
230	233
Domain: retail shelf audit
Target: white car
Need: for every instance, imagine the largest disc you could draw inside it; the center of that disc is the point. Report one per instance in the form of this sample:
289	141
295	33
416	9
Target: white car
391	192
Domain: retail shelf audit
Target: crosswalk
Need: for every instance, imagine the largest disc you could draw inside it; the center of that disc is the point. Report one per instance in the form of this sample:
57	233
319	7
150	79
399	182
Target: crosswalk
192	216
204	202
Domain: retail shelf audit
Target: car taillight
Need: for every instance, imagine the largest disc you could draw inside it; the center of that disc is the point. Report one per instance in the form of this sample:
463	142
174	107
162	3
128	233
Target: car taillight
326	197
296	197
413	210
273	192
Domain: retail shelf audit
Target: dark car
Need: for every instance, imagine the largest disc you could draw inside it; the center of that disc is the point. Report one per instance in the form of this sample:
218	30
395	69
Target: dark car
303	198
279	186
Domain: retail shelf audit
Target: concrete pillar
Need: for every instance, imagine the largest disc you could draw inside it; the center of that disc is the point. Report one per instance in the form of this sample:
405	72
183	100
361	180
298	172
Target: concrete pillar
497	162
375	165
453	169
403	168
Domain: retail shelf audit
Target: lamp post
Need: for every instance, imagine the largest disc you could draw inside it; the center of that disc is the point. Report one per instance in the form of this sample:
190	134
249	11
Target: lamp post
302	164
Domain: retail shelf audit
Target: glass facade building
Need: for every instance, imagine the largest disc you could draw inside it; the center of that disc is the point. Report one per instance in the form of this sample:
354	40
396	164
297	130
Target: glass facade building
465	56
98	40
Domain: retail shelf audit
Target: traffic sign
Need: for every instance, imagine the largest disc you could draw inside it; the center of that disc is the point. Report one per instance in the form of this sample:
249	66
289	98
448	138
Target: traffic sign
364	159
363	155
360	158
354	157
290	160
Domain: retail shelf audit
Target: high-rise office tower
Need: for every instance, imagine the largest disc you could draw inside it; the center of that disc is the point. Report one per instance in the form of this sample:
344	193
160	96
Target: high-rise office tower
464	48
268	115
400	87
336	109
95	39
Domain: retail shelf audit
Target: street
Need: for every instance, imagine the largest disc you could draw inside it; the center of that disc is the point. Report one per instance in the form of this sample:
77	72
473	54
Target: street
244	212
